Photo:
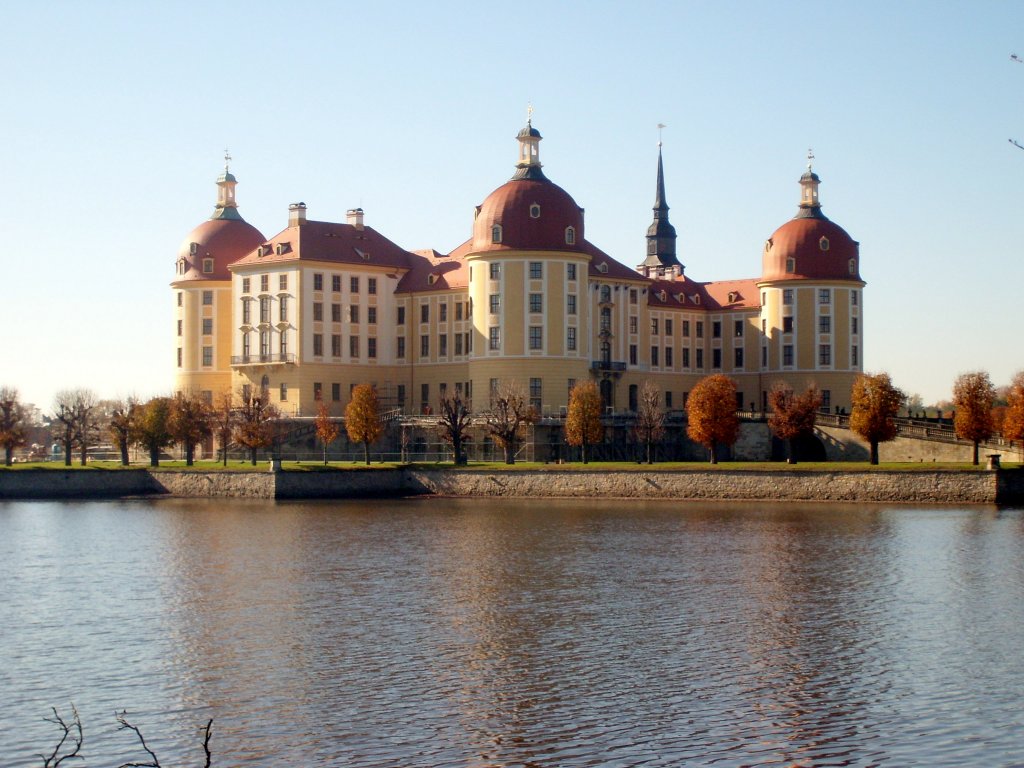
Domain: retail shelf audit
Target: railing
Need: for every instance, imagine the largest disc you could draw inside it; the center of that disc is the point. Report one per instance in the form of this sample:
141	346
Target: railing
607	365
272	357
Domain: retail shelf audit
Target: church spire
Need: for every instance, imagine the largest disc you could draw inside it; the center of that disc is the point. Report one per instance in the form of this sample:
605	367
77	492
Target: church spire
661	235
227	207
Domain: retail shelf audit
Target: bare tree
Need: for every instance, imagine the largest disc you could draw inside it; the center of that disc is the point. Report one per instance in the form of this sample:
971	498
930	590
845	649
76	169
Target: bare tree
121	425
70	732
649	427
253	427
454	420
190	422
75	410
509	415
153	762
223	422
12	422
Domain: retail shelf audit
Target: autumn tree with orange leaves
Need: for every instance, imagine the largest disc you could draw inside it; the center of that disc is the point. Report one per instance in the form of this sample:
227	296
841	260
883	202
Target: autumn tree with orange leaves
792	415
362	418
583	425
711	414
973	398
327	429
875	401
1013	421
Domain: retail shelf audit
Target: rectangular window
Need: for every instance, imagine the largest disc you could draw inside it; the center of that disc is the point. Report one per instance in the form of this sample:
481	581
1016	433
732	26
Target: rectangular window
535	393
336	283
536	337
824	296
371	315
424	313
207	298
318	311
654	326
283	305
654	356
668	327
371	348
824	354
180	295
179	322
207	326
495	301
668	399
716	330
787	296
207	356
353	284
264	309
469	342
353	346
633	323
826	399
495	271
424	397
536	303
854	325
570	271
853	355
282	282
335	391
716	358
495	337
570	339
853	298
632	354
318	390
264	283
245	345
458	344
570	304
632	295
400	348
686	357
668	357
318	345
738	329
318	281
700	360
458	310
442	345
371	286
536	270
245	284
686	329
336	344
825	324
335	313
787	354
353	313
284	345
442	310
401	395
700	329
424	345
401	316
283	393
764	357
738	357
787	324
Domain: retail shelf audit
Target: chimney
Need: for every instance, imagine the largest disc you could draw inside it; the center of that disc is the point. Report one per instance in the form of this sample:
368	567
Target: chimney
296	214
355	218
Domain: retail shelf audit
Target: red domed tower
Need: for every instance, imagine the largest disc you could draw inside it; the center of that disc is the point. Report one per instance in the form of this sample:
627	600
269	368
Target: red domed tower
202	288
811	300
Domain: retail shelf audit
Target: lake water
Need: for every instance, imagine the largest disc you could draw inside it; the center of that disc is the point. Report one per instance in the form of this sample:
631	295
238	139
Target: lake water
478	633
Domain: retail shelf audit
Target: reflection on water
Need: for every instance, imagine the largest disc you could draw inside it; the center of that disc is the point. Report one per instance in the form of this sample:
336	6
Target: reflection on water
516	633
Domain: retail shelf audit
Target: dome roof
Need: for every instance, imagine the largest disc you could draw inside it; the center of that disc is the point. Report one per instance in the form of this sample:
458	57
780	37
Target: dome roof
224	240
820	250
533	213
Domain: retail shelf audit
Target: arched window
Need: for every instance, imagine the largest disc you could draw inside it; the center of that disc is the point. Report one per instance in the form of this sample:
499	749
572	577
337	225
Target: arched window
606	294
790	266
606	318
496	233
853	266
570	236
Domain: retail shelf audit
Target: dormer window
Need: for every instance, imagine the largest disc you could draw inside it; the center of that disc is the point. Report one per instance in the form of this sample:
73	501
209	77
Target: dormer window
603	267
431	279
535	211
193	248
662	296
733	296
496	233
790	266
823	243
695	298
570	235
853	266
207	266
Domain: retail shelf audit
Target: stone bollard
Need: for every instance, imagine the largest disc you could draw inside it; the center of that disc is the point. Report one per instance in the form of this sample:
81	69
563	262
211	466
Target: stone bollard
275	465
993	461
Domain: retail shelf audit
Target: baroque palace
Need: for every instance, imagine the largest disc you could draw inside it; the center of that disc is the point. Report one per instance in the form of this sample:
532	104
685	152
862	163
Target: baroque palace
322	306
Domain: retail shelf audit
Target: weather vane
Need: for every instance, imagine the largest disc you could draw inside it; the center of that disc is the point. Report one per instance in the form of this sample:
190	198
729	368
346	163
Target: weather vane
660	127
529	112
227	158
810	158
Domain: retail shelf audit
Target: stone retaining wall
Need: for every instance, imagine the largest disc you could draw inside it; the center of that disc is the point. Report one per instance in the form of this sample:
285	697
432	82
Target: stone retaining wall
928	486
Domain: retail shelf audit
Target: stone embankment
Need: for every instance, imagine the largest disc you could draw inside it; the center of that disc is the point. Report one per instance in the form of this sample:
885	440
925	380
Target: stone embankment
910	487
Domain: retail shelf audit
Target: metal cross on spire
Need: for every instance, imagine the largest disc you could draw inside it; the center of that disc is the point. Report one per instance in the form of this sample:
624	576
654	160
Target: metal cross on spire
227	159
810	158
660	127
529	113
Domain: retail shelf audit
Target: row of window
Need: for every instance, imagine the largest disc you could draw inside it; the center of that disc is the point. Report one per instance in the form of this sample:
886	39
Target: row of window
354	283
497	232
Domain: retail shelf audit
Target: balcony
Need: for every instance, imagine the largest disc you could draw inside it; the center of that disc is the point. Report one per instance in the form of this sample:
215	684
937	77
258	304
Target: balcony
274	358
607	365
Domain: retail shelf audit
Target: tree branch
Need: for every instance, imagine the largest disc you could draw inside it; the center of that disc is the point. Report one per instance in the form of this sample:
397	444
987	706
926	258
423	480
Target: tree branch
125	725
55	759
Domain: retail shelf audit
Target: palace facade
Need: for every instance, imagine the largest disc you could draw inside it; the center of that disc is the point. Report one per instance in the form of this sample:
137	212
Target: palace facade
322	306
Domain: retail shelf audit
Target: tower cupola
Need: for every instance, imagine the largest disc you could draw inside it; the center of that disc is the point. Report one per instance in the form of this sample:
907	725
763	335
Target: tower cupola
227	207
809	190
529	138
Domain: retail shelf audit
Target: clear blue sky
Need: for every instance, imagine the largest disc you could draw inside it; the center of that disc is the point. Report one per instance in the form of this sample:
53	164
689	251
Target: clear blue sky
116	115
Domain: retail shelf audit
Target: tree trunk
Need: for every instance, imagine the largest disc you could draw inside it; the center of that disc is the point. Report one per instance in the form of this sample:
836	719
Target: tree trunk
510	456
366	452
874	452
975	461
252	456
792	451
325	454
84	454
190	451
8	455
154	457
650	456
583	451
224	450
714	454
124	453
